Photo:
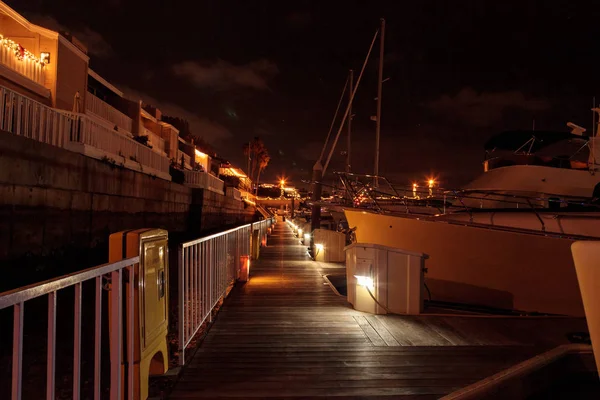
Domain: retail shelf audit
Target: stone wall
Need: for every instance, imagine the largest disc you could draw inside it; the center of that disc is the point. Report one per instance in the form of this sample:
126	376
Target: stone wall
52	199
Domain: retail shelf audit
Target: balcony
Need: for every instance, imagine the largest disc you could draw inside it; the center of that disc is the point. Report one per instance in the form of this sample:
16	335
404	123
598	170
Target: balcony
81	133
98	141
204	180
22	62
102	109
154	140
23	116
186	160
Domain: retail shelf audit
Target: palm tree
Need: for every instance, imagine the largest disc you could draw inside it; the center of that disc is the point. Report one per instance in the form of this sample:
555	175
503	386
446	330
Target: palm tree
264	159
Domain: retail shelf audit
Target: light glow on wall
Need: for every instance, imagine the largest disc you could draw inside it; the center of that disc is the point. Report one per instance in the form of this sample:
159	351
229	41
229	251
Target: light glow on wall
365	281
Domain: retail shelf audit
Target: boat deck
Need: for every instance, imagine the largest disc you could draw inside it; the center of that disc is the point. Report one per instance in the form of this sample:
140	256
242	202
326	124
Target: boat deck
286	334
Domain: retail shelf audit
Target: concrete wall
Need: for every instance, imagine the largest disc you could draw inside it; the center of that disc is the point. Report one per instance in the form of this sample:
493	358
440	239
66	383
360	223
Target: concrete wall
51	198
217	210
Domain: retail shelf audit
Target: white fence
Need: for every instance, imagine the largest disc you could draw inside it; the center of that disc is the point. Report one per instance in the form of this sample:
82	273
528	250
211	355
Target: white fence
104	110
81	133
207	266
186	160
17	299
204	180
23	116
29	68
117	146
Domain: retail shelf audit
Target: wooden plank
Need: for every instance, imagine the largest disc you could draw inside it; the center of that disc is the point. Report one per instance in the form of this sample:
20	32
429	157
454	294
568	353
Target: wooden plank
382	331
284	334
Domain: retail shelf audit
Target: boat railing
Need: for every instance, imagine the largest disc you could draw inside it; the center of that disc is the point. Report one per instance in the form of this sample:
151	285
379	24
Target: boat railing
360	192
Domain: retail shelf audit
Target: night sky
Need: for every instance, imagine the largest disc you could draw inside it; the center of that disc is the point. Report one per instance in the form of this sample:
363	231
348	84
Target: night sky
460	71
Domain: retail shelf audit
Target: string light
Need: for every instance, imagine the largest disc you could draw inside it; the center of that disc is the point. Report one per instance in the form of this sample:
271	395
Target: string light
20	52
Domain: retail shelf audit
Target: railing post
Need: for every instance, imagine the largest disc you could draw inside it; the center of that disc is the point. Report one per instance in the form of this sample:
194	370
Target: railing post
51	352
17	356
116	335
182	306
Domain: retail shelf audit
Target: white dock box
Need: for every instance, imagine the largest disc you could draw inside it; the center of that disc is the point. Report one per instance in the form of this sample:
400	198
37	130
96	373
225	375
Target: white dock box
393	276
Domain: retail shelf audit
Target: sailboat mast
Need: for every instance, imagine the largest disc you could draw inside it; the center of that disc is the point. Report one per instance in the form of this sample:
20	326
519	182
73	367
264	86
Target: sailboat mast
379	93
349	145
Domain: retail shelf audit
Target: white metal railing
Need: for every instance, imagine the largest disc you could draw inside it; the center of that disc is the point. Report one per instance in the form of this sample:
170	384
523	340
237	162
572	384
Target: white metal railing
18	298
26	117
207	266
26	67
89	132
204	180
186	160
104	110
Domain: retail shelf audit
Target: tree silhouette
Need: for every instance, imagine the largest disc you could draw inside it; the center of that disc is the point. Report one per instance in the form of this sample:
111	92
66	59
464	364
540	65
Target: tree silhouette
258	156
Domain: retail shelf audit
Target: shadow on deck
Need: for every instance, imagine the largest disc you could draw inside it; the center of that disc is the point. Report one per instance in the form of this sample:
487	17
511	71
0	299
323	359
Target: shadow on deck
285	333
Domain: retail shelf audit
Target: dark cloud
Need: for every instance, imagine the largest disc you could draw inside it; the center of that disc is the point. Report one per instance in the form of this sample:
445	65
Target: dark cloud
486	108
222	75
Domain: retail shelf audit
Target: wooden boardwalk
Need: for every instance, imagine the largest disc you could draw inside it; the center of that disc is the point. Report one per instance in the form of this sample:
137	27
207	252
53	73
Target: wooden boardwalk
286	334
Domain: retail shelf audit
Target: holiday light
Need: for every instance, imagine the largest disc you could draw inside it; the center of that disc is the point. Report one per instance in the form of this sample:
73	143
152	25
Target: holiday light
20	52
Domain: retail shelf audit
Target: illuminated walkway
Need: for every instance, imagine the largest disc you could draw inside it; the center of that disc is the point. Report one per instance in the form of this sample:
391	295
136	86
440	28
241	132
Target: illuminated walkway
286	334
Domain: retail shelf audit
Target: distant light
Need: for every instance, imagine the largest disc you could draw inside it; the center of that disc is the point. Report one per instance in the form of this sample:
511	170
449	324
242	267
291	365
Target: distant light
307	237
282	182
299	232
414	185
364	281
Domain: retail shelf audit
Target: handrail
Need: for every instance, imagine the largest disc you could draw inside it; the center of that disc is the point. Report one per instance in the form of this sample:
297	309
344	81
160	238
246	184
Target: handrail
207	267
121	315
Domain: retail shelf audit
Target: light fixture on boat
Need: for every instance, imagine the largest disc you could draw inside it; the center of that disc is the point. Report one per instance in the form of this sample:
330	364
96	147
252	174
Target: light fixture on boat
365	281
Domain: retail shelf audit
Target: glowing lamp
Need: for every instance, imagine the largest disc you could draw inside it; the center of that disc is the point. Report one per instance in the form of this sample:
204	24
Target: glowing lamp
431	182
365	281
307	237
319	246
45	58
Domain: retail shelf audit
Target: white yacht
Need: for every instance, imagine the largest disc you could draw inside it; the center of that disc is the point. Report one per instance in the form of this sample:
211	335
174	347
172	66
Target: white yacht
503	240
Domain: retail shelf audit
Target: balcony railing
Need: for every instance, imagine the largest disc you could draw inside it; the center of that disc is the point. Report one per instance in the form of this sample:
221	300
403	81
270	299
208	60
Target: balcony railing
81	133
204	180
157	143
186	160
26	67
104	110
23	116
88	136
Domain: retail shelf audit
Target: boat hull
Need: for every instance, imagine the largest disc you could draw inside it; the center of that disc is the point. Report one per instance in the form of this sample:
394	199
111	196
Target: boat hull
482	265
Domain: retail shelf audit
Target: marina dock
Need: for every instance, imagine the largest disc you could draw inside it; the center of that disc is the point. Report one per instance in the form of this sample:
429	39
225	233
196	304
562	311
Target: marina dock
286	333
